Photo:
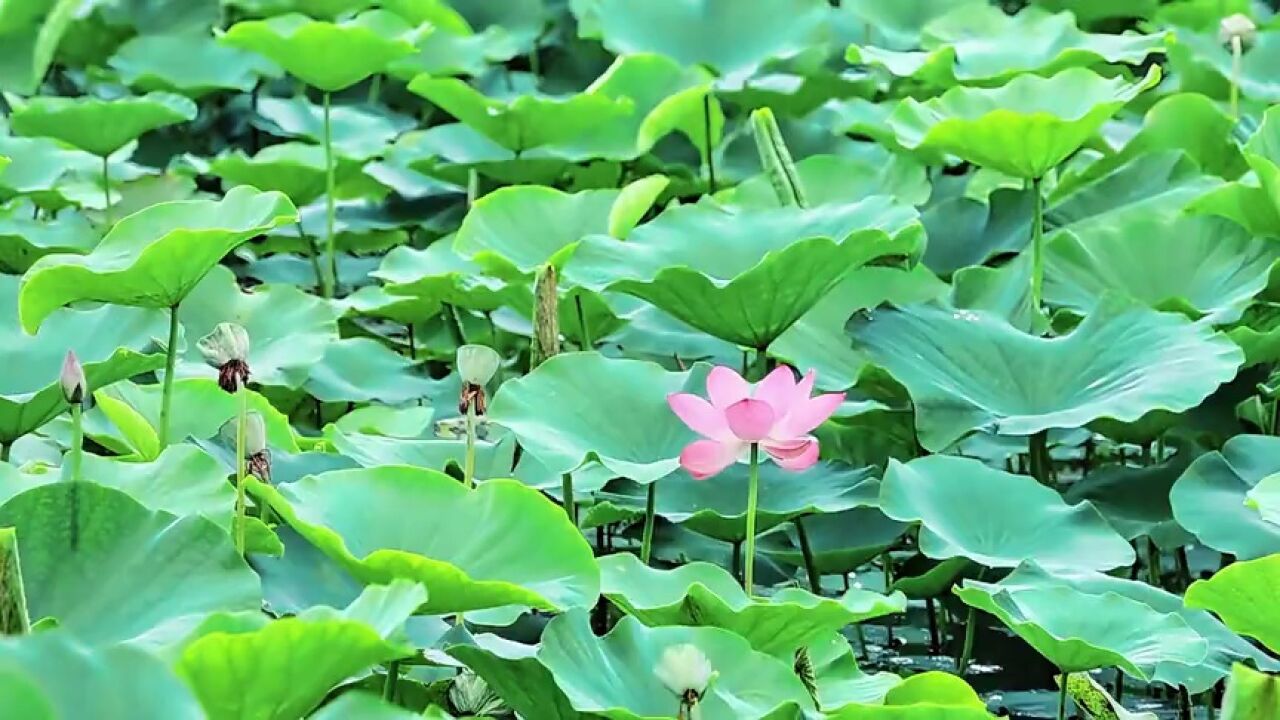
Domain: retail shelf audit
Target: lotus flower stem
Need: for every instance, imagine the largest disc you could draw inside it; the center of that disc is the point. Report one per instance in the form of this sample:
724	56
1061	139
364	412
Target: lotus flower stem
583	329
709	153
76	453
469	460
13	600
375	88
1237	55
646	540
1155	568
4	451
241	421
1062	698
390	682
106	189
170	361
311	254
566	490
753	492
966	652
1037	246
1038	457
735	561
331	286
810	567
935	643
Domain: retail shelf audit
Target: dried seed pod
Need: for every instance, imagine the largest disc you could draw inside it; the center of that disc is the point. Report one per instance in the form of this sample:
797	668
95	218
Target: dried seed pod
546	317
227	349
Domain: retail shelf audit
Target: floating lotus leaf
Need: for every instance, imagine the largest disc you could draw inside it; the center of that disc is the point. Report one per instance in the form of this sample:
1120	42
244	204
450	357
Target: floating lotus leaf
1207	63
99	126
1225	647
188	63
702	594
841	542
719	508
1205	266
732	38
1253	202
930	695
289	330
1209	499
313	651
983	45
440	275
152	258
614	676
469	547
113	343
566	412
1024	128
358	132
329	56
363	370
166	572
1079	632
1242	594
54	675
969	370
967	509
754	271
526	122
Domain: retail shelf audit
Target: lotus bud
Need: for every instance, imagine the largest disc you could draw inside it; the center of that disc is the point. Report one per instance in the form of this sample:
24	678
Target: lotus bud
1239	27
477	364
227	349
72	379
687	674
470	695
546	317
255	433
776	160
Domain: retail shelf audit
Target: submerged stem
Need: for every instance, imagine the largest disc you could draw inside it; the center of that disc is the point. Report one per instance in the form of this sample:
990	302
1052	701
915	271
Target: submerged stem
966	652
646	540
566	489
753	490
171	360
390	682
242	414
1062	698
1037	246
1038	454
76	453
331	286
584	336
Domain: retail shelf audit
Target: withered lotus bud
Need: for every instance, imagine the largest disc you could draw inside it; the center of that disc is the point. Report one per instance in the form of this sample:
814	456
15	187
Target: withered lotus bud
227	349
1237	26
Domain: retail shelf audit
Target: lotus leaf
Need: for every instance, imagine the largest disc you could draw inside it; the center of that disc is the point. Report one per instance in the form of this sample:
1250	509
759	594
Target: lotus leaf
512	670
190	64
1209	499
357	133
928	696
900	26
838	678
166	572
96	125
970	370
841	542
362	370
1208	64
31	32
1250	695
295	169
1024	128
967	509
438	275
1252	201
368	706
1241	594
335	511
838	179
24	240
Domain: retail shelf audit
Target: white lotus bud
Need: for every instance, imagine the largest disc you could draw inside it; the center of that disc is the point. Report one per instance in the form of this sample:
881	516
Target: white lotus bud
1237	26
72	379
255	433
226	343
684	670
477	363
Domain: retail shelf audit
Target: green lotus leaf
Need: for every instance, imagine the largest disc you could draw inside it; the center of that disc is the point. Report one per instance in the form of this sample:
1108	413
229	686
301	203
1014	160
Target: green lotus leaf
166	572
409	422
900	26
1209	499
450	152
839	179
358	132
440	275
365	370
52	174
295	169
289	330
732	38
512	670
718	508
838	678
454	51
1206	63
565	413
966	509
1079	632
30	32
54	675
970	370
841	542
1225	647
112	343
190	64
1207	266
1242	594
755	271
330	56
1253	202
1135	500
1250	695
200	410
24	240
526	122
614	676
930	695
471	554
375	301
1265	498
654	335
152	258
495	232
702	594
99	126
493	459
818	340
222	659
1024	128
983	45
368	706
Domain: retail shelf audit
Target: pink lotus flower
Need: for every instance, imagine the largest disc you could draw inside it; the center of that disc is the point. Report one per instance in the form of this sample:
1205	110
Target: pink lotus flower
777	413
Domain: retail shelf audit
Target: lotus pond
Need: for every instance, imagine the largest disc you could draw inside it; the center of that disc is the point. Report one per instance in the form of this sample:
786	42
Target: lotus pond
639	359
